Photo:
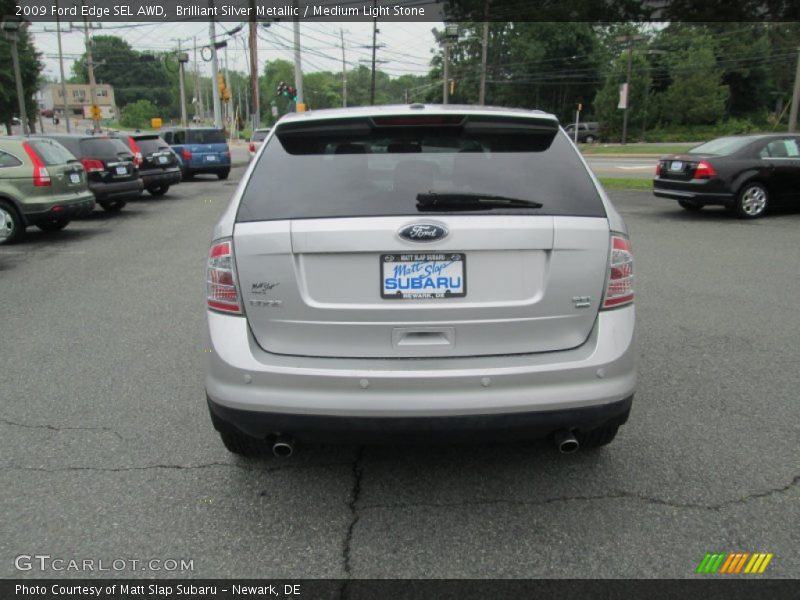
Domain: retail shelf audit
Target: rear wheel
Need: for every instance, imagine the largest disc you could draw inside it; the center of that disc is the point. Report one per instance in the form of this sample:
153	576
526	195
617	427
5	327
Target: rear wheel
159	191
11	226
751	201
223	174
690	205
596	438
589	139
244	445
56	225
113	205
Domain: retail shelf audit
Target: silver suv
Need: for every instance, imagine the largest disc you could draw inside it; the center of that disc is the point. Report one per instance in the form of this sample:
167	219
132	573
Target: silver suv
444	272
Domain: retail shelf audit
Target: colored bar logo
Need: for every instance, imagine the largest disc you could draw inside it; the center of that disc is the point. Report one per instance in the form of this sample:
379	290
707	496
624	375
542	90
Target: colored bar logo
734	563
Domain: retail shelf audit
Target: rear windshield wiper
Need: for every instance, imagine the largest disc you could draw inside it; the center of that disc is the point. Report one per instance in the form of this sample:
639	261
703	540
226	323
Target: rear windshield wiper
470	201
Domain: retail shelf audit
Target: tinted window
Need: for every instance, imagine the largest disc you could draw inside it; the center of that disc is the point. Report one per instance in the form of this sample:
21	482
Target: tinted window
205	136
722	146
179	137
168	137
151	144
51	152
785	148
108	148
353	170
6	160
260	136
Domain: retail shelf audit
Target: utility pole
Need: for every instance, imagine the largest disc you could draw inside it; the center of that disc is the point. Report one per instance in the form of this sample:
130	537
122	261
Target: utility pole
214	70
450	33
795	97
298	65
484	52
630	39
61	68
229	103
198	92
182	60
11	28
90	70
255	101
374	49
344	72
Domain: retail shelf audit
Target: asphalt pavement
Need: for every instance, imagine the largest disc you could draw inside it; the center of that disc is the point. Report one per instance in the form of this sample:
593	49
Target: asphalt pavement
107	452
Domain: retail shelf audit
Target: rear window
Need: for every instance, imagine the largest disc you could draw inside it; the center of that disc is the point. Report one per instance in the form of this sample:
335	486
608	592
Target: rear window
151	145
353	167
109	148
51	152
260	136
205	136
722	146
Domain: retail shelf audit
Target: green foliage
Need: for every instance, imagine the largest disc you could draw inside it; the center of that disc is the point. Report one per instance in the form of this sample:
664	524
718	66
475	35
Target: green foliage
137	115
30	67
639	96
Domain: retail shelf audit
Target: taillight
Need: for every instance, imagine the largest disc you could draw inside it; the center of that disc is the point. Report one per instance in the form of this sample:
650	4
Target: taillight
92	165
41	176
222	292
137	153
228	153
704	171
186	154
658	169
252	147
619	285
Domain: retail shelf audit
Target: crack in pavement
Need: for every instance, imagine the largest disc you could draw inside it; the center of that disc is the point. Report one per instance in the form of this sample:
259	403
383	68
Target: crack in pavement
618	495
65	428
176	467
352	505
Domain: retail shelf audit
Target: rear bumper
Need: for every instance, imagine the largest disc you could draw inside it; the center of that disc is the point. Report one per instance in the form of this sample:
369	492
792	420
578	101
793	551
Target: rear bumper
70	208
546	391
697	193
159	177
118	190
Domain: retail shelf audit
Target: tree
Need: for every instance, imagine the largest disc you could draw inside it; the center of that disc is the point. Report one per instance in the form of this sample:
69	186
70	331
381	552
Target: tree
30	68
137	115
639	96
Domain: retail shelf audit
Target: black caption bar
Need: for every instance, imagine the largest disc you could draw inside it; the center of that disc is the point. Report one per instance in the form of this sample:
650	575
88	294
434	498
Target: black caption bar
407	10
712	588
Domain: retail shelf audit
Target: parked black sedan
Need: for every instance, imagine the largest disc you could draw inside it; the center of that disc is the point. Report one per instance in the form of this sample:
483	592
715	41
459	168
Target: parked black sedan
158	165
748	174
109	164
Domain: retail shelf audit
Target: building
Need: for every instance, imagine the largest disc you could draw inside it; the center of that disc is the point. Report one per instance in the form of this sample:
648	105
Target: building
79	97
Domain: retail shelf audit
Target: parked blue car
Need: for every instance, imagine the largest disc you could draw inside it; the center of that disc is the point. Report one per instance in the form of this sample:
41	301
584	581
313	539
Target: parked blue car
200	150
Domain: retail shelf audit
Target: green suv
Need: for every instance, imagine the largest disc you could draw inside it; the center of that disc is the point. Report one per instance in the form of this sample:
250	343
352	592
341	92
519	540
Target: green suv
41	184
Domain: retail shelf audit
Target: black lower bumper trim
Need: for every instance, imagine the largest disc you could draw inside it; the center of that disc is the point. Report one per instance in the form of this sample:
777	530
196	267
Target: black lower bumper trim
377	430
66	212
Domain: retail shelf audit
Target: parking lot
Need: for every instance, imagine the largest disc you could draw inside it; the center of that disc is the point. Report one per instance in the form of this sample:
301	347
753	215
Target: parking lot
107	451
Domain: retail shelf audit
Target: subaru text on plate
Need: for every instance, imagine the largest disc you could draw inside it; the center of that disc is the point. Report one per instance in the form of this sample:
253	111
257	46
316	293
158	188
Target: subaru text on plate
441	273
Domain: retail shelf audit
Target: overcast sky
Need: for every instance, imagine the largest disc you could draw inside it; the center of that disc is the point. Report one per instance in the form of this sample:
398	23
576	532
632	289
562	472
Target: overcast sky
407	46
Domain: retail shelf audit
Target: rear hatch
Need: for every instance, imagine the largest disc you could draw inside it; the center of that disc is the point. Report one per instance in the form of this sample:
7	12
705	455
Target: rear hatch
107	160
458	235
208	147
66	172
156	153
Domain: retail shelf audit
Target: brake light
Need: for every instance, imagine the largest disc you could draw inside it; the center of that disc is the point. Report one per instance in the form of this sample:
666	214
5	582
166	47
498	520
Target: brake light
186	154
619	279
252	147
228	153
658	169
704	171
92	165
41	176
137	153
222	291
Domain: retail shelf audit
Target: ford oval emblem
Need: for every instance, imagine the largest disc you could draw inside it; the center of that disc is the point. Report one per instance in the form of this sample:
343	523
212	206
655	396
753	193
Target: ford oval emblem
422	232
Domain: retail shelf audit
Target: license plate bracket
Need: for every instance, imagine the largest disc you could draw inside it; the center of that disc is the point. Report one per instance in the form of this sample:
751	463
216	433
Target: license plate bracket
423	275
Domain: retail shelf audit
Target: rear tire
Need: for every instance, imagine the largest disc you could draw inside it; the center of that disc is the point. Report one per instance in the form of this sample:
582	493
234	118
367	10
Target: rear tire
751	201
590	139
602	436
244	445
223	174
57	225
690	205
12	229
113	205
157	192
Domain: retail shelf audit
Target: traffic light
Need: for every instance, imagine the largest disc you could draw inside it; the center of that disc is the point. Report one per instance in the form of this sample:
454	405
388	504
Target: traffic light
224	92
452	86
95	112
287	91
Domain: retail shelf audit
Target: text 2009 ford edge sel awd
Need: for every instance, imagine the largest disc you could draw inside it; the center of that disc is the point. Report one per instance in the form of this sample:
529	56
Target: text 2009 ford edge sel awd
387	273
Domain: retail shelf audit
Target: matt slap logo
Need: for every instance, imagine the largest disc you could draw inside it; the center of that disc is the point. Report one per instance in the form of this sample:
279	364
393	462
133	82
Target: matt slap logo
734	563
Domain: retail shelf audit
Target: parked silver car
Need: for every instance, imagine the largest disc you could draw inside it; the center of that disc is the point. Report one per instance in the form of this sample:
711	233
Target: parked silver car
449	272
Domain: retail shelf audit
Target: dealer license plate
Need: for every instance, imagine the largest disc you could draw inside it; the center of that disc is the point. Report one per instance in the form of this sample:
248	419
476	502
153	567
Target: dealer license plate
424	276
74	178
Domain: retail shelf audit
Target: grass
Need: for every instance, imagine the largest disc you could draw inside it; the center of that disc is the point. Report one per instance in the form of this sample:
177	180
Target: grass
655	149
627	183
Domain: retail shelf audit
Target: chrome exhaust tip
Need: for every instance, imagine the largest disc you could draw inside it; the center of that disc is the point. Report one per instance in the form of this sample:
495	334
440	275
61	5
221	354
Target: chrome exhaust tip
566	442
283	447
